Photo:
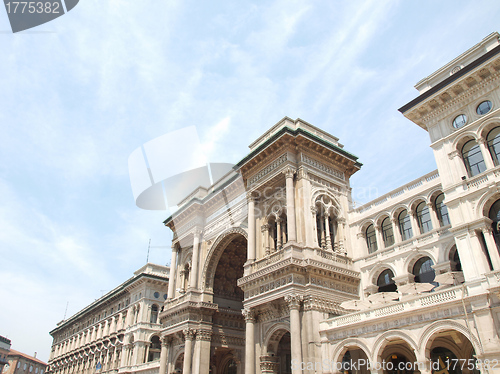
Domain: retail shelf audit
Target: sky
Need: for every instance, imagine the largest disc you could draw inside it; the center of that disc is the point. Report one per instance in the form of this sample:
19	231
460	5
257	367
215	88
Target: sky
79	94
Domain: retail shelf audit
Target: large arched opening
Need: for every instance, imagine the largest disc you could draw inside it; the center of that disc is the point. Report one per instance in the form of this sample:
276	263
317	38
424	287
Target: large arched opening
225	267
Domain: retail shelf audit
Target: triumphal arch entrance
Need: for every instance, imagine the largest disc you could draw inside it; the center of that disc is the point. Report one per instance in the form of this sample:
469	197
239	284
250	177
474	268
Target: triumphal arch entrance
260	258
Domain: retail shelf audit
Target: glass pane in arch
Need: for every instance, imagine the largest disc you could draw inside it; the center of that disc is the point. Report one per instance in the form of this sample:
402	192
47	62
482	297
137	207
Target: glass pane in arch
423	271
424	218
385	282
494	215
405	225
387	233
493	139
371	239
473	158
442	211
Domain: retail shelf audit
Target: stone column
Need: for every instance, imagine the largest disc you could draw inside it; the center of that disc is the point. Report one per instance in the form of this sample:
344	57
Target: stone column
182	280
395	231
283	232
278	236
379	236
328	239
294	302
434	216
414	224
124	355
290	205
193	279
314	226
201	364
322	242
488	161
173	269
341	223
492	247
251	228
249	315
188	336
164	355
265	231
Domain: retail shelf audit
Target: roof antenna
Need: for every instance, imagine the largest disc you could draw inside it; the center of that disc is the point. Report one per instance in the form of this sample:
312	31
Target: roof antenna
153	246
149	246
66	311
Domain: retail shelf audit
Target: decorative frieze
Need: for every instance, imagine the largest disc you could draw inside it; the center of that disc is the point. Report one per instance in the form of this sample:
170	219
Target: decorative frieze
267	170
322	167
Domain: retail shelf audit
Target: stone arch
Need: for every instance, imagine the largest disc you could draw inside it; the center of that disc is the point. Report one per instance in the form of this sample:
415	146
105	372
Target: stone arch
488	125
273	337
485	202
412	205
459	142
319	193
413	258
384	339
380	217
342	347
215	252
425	341
431	196
365	224
378	269
397	210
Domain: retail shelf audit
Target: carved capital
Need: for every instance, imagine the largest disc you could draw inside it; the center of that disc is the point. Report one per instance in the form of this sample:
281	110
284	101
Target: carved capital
249	315
482	141
251	197
314	210
453	154
294	301
205	335
265	227
289	172
189	334
378	227
360	235
302	173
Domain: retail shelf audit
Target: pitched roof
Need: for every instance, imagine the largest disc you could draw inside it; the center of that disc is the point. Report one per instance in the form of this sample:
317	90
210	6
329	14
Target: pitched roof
13	352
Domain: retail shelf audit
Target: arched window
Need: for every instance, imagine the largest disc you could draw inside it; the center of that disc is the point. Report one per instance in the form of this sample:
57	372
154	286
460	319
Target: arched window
423	218
387	233
405	225
423	271
154	314
493	139
456	265
154	348
473	158
442	211
371	239
494	215
385	282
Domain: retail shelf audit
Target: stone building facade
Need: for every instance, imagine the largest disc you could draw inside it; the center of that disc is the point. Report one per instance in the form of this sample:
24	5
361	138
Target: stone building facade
119	332
266	261
21	363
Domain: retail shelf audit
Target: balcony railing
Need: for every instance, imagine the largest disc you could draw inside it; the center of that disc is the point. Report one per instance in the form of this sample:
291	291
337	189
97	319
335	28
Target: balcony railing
435	298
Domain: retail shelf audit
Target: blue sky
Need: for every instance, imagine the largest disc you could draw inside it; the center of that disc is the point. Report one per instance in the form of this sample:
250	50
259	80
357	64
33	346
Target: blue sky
78	98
